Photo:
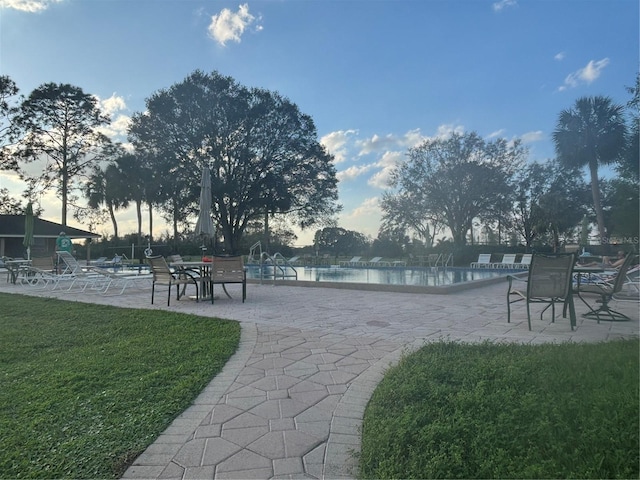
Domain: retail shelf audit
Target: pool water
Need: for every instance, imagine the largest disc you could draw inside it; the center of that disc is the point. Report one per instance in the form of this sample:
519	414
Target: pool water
419	276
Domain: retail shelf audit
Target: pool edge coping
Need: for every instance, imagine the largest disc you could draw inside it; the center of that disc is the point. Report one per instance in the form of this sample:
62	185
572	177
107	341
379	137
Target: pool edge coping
382	287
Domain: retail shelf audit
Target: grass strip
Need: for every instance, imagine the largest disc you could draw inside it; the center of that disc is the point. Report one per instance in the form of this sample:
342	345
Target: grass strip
454	410
85	388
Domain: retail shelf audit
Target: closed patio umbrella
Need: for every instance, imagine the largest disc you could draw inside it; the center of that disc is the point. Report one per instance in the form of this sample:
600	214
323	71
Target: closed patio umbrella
204	225
28	229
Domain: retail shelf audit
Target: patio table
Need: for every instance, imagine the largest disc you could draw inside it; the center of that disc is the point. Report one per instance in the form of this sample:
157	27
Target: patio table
204	269
14	267
587	273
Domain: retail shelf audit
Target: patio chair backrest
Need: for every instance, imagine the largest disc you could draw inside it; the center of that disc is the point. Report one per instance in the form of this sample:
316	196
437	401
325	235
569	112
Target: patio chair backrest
550	276
509	258
526	259
43	263
621	277
160	269
72	265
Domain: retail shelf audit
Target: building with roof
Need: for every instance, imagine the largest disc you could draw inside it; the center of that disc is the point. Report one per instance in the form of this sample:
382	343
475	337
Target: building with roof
44	236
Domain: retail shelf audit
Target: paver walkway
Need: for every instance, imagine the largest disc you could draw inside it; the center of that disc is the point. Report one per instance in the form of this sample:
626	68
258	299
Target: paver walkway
289	403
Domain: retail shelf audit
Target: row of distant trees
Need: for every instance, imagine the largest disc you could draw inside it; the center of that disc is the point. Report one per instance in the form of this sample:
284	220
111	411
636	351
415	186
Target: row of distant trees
269	171
263	154
462	180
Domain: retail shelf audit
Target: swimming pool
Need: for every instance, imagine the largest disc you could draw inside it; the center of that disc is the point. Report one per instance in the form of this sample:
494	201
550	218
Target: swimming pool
405	279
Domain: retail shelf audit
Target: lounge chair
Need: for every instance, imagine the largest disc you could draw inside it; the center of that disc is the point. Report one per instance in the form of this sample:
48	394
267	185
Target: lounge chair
162	275
484	260
76	274
377	262
508	261
118	280
525	261
606	290
99	262
355	261
39	273
549	281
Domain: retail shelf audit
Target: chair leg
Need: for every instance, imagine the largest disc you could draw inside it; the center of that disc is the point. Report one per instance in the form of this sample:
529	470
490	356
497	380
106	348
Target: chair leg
604	309
153	288
572	312
528	316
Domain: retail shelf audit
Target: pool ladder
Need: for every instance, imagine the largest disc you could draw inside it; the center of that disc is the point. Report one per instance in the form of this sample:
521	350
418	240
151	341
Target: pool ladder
277	263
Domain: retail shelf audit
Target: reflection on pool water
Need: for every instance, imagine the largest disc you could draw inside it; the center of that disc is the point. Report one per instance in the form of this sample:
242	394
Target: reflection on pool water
419	276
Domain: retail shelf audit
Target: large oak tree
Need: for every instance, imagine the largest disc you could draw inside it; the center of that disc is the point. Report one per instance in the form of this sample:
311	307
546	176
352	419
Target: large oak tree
263	154
456	179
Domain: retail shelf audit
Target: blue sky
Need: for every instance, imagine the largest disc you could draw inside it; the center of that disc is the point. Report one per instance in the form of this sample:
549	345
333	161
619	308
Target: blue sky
377	76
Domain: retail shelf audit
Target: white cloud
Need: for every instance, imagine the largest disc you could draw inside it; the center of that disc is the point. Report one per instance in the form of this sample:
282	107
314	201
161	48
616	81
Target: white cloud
531	137
113	104
559	56
585	75
336	142
498	6
446	130
229	26
497	133
31	6
354	172
378	143
117	130
390	142
388	162
368	206
365	218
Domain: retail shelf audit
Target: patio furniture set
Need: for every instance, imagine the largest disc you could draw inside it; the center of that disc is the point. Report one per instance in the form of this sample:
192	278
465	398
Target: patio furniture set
555	279
68	275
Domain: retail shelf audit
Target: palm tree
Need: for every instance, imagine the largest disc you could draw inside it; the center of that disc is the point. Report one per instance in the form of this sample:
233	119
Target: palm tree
592	133
105	187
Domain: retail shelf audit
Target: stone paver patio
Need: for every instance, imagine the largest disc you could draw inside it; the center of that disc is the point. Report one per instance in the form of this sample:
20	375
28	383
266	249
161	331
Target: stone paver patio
289	403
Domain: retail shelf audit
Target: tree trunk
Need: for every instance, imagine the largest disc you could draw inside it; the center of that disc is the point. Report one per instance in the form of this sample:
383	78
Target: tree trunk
150	222
114	222
65	186
139	214
597	205
266	230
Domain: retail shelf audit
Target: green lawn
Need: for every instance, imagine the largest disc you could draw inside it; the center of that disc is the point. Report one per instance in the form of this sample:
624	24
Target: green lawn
506	411
84	388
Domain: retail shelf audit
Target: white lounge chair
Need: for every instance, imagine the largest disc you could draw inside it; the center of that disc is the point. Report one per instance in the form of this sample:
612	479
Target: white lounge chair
377	262
508	261
484	261
525	261
355	261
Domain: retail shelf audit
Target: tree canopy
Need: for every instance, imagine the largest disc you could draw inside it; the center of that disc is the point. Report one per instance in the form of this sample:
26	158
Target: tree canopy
455	180
262	152
59	123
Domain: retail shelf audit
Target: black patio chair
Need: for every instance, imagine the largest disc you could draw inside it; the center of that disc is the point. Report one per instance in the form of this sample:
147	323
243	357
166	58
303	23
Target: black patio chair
606	290
549	281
